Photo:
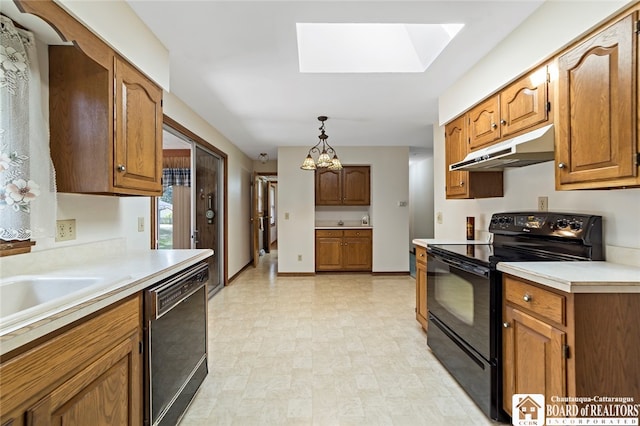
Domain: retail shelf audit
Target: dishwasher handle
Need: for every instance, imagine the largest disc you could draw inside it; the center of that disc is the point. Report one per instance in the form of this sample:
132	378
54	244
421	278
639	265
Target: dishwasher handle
171	292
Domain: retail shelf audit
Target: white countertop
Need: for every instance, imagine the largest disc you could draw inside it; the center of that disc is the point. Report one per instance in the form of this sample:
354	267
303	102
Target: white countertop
578	277
424	242
344	227
125	273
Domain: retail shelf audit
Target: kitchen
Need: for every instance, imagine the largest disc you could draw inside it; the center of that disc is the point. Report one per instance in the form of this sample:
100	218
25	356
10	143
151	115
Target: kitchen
619	207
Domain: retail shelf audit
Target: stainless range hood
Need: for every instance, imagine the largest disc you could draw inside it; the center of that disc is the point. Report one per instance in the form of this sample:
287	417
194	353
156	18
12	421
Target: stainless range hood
530	148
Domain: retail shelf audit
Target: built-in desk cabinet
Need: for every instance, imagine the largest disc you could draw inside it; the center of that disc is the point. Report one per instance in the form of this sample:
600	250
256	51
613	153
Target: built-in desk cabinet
568	344
421	286
350	186
597	141
89	374
343	250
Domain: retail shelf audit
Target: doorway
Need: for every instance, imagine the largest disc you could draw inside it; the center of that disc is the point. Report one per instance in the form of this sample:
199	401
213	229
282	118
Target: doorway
191	214
264	233
206	210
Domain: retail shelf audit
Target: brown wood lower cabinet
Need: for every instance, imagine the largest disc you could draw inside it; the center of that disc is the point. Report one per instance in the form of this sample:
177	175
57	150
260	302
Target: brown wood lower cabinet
421	286
343	250
569	344
89	375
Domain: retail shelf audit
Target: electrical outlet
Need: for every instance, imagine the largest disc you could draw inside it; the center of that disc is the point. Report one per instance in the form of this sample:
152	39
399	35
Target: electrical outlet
543	204
299	258
439	218
65	230
141	224
286	216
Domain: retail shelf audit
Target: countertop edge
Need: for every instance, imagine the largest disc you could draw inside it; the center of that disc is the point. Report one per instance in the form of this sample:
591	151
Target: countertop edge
30	331
573	283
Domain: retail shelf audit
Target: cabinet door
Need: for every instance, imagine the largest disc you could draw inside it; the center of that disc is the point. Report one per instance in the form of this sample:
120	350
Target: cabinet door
597	116
329	253
328	187
421	293
138	139
483	123
104	393
456	150
533	357
357	250
356	185
524	103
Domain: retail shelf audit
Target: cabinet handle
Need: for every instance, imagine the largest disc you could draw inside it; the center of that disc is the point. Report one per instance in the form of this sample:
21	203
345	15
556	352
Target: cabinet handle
494	126
121	168
503	121
506	325
561	165
527	298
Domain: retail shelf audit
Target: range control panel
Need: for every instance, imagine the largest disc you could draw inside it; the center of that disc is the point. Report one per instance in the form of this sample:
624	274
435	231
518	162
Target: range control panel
559	225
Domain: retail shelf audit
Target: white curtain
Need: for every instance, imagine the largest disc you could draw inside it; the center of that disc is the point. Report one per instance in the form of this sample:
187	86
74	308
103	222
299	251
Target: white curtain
27	178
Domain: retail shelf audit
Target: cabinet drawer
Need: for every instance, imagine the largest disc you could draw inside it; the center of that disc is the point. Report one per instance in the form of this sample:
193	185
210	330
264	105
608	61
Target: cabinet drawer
355	233
421	254
538	300
328	233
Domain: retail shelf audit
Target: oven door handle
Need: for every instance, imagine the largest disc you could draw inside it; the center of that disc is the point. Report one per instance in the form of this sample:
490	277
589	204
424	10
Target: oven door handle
467	267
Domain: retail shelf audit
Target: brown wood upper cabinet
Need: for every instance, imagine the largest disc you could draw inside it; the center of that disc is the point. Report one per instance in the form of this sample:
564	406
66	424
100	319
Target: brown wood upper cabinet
105	116
464	184
347	187
597	139
106	125
520	106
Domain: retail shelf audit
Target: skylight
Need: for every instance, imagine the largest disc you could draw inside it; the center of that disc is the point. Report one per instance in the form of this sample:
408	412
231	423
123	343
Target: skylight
371	48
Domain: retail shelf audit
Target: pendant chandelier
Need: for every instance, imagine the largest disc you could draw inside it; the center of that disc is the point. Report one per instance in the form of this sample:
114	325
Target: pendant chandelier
325	160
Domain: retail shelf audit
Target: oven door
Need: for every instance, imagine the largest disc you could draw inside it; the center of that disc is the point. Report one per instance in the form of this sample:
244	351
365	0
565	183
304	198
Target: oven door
459	297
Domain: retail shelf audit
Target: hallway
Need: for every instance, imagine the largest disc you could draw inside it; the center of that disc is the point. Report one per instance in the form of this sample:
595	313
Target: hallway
324	350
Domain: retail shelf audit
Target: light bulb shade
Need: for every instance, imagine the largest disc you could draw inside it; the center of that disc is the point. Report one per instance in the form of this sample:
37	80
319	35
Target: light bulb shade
335	163
308	163
324	160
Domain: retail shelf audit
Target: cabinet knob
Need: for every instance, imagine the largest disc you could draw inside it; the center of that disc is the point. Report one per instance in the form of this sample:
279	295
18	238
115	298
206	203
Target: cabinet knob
503	121
121	168
527	298
461	183
421	254
561	165
494	125
506	324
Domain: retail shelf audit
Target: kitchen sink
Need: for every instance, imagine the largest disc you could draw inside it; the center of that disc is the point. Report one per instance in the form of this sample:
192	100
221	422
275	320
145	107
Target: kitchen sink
27	297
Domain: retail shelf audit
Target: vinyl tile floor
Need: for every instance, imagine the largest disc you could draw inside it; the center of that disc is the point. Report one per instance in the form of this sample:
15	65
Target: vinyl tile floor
338	349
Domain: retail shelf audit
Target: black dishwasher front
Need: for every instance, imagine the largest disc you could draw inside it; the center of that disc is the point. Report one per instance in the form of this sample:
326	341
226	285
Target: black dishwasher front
176	344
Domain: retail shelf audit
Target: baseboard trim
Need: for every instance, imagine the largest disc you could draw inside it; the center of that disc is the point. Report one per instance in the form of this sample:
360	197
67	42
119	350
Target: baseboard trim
398	273
244	268
296	274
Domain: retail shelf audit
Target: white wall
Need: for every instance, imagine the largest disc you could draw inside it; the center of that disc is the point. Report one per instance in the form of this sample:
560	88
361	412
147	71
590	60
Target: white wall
421	198
620	208
389	185
118	25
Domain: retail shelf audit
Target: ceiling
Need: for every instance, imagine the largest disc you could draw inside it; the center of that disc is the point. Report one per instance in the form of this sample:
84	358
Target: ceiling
235	63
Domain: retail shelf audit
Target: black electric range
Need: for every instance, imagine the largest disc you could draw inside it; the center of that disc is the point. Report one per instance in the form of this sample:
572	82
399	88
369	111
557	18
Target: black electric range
464	292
